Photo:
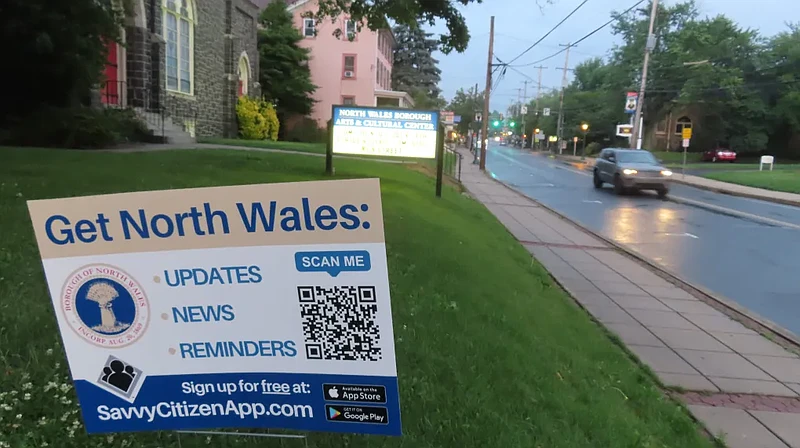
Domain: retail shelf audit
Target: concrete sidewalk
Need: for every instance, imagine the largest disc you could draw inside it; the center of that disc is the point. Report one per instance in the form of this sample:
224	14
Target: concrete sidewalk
734	380
779	197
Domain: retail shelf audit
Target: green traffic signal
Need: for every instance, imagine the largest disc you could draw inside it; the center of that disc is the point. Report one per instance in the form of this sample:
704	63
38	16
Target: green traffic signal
496	123
512	124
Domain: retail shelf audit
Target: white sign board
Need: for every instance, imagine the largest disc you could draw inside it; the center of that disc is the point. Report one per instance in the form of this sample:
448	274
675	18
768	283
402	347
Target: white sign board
368	131
249	306
540	136
546	111
524	110
686	143
631	101
624	130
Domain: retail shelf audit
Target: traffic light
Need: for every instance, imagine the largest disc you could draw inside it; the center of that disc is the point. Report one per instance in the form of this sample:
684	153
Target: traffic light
496	123
512	124
536	131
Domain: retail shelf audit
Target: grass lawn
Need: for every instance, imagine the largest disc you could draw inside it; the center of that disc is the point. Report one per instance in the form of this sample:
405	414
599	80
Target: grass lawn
676	157
780	180
490	352
317	148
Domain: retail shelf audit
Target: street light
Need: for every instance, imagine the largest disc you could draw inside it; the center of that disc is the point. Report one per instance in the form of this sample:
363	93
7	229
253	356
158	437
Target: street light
585	129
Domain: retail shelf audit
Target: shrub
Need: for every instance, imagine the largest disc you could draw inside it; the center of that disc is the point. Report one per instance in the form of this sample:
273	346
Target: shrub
306	131
257	119
78	127
593	148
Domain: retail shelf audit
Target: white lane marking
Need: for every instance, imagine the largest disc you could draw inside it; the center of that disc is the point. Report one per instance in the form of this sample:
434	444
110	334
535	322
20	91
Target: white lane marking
733	212
593	202
683	234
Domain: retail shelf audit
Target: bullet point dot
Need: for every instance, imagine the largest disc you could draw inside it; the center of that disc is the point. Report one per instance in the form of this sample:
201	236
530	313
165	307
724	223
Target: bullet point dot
172	351
164	316
364	207
157	279
366	225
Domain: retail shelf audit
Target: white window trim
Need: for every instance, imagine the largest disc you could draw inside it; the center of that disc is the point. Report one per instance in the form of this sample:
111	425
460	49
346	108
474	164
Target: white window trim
313	28
244	59
192	22
347	25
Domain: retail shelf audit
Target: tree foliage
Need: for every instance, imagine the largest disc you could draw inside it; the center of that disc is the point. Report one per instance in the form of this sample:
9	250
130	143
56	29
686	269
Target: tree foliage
284	73
414	69
54	52
743	88
466	104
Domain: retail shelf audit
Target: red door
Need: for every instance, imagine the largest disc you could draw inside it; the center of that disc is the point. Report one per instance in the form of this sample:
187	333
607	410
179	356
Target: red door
111	84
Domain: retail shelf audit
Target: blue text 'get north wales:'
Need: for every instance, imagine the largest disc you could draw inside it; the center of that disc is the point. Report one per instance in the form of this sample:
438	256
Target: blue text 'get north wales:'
204	220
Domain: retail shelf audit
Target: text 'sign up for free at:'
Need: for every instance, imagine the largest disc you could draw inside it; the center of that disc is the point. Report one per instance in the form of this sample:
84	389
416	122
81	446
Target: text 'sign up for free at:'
263	306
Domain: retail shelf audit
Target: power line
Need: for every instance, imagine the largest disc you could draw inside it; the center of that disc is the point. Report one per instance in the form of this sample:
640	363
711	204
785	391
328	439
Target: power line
548	33
618	16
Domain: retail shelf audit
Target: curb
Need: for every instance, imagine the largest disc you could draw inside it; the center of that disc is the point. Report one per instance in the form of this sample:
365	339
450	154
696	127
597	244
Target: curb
715	189
734	310
740	194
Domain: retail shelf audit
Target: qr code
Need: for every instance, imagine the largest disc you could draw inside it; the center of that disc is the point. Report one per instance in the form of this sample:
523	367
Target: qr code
339	323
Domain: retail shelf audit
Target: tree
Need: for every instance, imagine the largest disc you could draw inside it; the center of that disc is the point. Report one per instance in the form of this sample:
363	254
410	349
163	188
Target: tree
284	73
415	69
374	14
57	51
466	104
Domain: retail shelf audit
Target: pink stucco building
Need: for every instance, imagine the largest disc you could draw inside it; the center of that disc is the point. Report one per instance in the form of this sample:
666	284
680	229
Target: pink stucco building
355	71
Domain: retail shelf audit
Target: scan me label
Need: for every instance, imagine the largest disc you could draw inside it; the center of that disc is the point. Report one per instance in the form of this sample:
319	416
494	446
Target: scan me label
256	306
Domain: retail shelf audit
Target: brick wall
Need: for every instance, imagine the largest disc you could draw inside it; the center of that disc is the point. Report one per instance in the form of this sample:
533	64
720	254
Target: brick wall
223	29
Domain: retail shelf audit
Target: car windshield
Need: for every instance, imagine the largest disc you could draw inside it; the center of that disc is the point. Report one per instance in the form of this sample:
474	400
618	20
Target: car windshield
636	157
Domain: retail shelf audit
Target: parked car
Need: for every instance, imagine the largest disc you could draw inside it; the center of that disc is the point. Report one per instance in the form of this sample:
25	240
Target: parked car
631	169
719	155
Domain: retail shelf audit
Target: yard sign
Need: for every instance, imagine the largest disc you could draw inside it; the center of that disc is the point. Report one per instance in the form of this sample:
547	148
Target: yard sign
249	306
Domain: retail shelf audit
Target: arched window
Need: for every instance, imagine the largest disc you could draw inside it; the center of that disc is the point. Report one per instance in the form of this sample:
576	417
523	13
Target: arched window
683	122
178	25
244	74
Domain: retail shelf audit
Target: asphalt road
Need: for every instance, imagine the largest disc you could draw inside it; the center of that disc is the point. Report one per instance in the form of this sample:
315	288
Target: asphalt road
754	264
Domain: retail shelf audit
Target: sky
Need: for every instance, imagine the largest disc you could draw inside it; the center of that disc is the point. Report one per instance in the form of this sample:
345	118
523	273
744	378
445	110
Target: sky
519	23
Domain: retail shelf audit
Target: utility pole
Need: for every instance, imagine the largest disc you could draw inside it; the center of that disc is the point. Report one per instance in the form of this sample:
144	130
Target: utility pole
486	94
560	128
638	132
539	89
525	105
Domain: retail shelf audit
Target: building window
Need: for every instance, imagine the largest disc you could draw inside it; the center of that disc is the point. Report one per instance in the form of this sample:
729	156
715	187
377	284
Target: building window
308	28
179	36
349	66
378	72
349	100
244	74
350	29
683	123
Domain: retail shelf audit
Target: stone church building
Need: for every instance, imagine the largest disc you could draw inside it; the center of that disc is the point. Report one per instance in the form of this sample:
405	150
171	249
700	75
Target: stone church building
182	64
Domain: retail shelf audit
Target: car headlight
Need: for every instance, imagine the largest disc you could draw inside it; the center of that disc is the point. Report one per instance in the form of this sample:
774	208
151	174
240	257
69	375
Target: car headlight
666	173
628	171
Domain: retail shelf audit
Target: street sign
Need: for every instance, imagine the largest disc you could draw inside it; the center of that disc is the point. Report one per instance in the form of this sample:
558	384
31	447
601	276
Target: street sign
457	119
630	102
478	116
686	143
575	139
368	131
245	306
562	144
546	111
524	110
686	133
448	117
540	136
624	130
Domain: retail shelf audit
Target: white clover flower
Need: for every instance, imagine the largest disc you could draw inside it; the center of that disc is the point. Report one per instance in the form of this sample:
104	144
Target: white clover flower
65	417
27	397
27	386
49	352
65	387
50	385
4	444
42	421
19	416
71	433
45	444
110	439
208	440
